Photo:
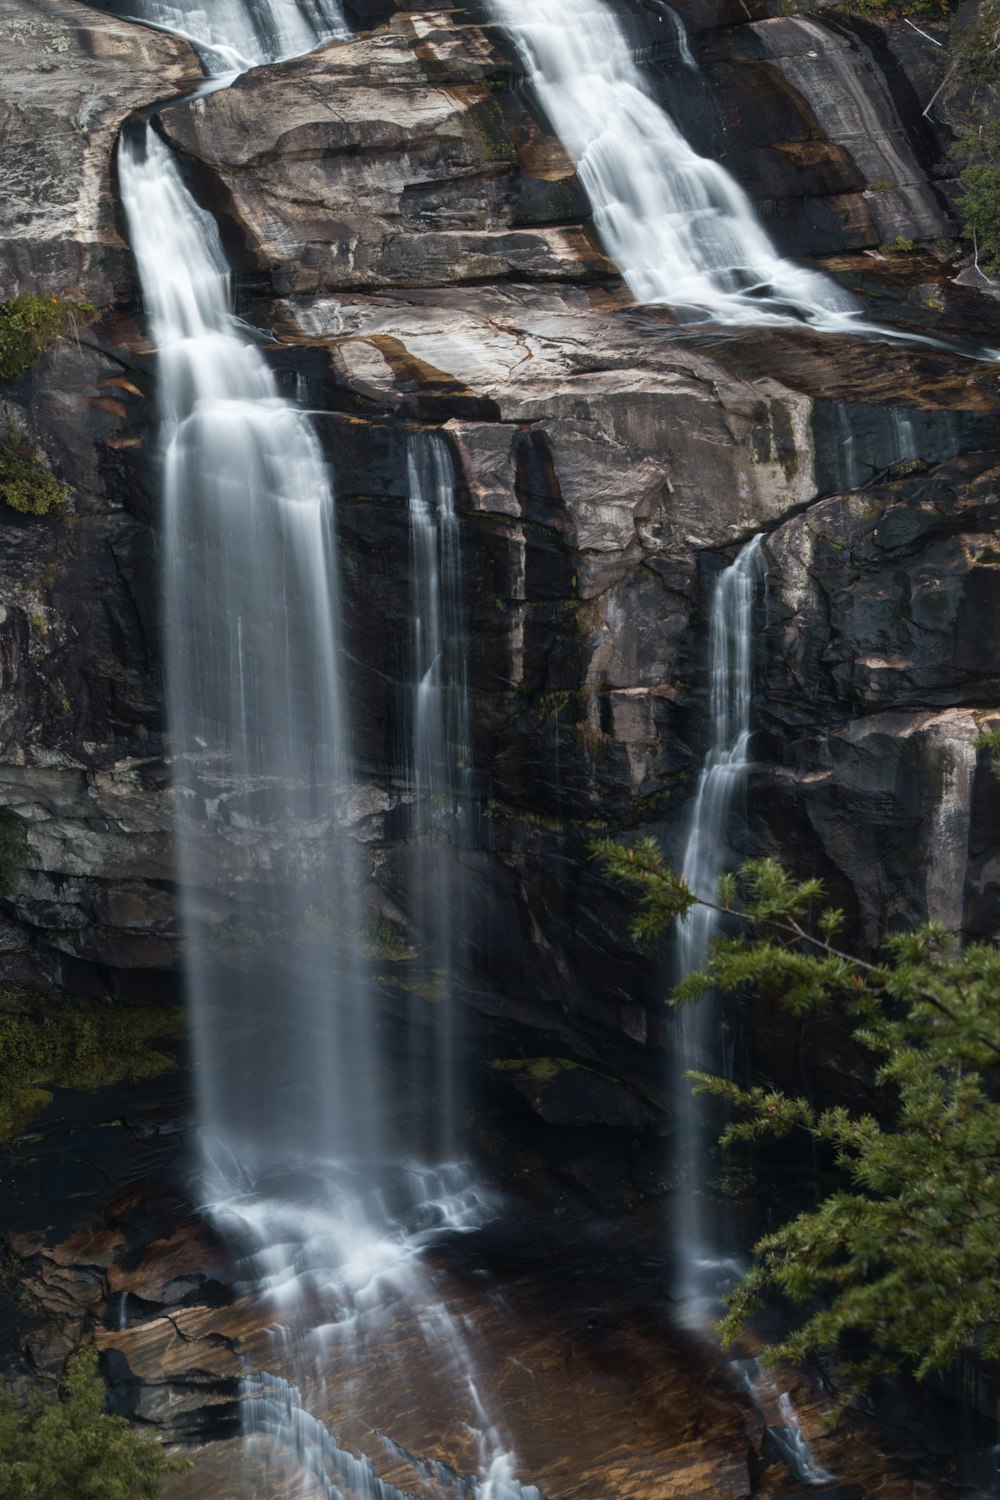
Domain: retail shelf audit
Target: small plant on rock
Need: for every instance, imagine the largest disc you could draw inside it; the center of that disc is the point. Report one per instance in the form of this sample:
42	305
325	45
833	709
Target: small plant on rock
29	325
26	485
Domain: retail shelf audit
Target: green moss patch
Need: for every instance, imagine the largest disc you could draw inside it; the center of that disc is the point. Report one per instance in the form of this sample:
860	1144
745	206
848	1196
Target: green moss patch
431	987
374	938
29	325
889	10
541	1068
50	1039
26	485
14	851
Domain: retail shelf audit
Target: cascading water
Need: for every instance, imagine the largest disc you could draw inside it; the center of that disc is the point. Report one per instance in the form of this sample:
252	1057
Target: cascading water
701	1274
679	227
784	1423
234	35
332	1240
439	756
330	1229
256	708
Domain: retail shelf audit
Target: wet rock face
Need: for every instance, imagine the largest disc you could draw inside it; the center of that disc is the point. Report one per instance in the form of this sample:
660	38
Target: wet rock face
419	244
410	182
567	1318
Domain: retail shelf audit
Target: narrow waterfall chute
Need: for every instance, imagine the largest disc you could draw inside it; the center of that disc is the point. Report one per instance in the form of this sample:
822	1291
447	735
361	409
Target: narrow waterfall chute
702	1273
438	754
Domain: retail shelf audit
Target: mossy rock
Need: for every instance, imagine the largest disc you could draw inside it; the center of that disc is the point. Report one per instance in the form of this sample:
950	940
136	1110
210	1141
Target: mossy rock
29	325
14	851
542	1069
26	485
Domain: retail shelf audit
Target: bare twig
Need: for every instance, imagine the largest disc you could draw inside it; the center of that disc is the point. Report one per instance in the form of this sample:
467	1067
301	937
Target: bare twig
924	34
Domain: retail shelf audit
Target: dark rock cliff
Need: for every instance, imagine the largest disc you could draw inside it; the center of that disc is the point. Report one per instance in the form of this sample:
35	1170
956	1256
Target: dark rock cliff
417	244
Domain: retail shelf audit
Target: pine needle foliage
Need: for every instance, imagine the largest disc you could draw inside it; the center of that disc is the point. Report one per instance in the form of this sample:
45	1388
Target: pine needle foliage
68	1448
898	1269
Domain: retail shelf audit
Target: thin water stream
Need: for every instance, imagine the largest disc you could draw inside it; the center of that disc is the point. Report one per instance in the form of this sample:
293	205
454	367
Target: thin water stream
705	1266
439	756
702	1274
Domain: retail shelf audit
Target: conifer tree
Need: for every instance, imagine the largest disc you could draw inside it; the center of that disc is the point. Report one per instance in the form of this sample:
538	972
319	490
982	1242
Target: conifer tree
898	1268
69	1448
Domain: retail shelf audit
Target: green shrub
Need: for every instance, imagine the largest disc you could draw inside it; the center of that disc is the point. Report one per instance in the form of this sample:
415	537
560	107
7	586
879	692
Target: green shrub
978	152
980	206
28	326
26	485
898	1267
67	1448
976	47
899	246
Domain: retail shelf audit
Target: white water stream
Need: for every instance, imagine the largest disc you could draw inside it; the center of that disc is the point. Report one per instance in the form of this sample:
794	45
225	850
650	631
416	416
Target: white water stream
234	35
439	755
702	1275
704	1272
256	706
332	1227
679	227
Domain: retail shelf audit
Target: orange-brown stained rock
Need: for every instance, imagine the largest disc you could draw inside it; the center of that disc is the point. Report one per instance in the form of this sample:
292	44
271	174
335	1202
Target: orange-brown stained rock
590	1386
187	1256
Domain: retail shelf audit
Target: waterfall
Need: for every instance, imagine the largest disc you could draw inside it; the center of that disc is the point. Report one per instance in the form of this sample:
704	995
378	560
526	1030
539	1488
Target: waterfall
439	755
330	1229
679	227
701	1275
703	1272
783	1422
234	35
255	701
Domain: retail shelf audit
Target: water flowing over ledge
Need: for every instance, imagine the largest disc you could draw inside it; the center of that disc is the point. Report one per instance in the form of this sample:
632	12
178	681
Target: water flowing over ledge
232	36
679	227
